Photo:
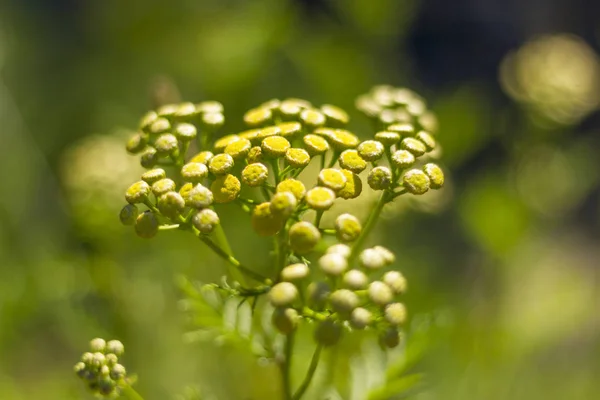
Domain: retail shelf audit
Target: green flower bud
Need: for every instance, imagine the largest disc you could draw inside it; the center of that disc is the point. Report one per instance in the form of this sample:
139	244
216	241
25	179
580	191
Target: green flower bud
353	187
320	198
368	106
435	175
380	293
290	129
147	120
238	149
428	121
371	259
160	125
395	314
303	237
163	186
388	255
226	140
388	138
186	112
98	360
137	143
340	139
285	320
98	345
154	175
220	164
166	144
80	369
255	174
194	172
128	214
312	118
335	116
347	227
360	318
293	186
283	204
396	281
383	95
146	225
332	178
343	301
341	249
379	178
297	158
226	188
414	146
318	293
403	159
352	161
294	272
264	222
275	146
370	150
315	145
205	221
115	347
203	157
390	338
415	181
260	116
106	387
171	204
185	132
403	128
167	110
199	197
137	193
209	106
427	140
355	279
111	359
87	358
328	333
149	158
212	121
118	372
255	155
283	294
333	264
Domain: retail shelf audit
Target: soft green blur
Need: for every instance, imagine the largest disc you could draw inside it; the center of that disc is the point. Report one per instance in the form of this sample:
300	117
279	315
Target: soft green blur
502	257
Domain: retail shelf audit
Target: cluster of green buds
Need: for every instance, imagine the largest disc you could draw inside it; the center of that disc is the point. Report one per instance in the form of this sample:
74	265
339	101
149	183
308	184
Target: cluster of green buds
321	274
100	369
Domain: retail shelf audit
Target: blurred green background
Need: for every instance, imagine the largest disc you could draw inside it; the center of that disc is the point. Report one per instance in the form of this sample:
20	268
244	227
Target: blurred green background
505	258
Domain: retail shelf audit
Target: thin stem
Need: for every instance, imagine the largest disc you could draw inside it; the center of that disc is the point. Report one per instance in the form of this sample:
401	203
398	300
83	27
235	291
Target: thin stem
168	227
314	363
318	218
286	365
130	393
370	224
232	260
276	171
334	158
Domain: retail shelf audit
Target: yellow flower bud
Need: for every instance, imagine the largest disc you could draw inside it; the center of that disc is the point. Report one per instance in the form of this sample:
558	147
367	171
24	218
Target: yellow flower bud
395	314
312	118
275	146
303	237
352	161
220	164
403	128
223	142
427	140
137	193
294	272
255	155
171	204
370	150
416	181
209	106
267	132
211	121
403	159
297	158
293	186
258	117
137	143
353	186
380	293
388	138
202	157
335	116
347	227
147	120
283	294
435	174
185	132
320	198
194	172
340	139
199	197
396	281
355	279
333	264
332	178
255	174
343	301
185	190
154	175
163	186
225	188
283	204
238	149
166	144
149	158
414	146
315	145
361	318
290	129
264	222
379	178
205	221
158	126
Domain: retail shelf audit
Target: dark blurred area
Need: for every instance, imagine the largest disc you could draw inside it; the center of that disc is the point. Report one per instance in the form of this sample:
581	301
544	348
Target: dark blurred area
508	252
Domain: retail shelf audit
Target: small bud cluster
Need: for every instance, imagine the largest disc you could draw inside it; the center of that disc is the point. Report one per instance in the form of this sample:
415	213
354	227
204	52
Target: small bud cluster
348	295
100	369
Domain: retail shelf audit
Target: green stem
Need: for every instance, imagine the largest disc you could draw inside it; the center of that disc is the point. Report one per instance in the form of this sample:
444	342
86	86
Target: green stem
276	171
238	267
314	363
130	393
369	225
286	366
168	227
318	218
334	158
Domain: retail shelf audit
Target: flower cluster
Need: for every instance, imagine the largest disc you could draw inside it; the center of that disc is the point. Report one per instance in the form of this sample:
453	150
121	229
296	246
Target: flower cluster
100	368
